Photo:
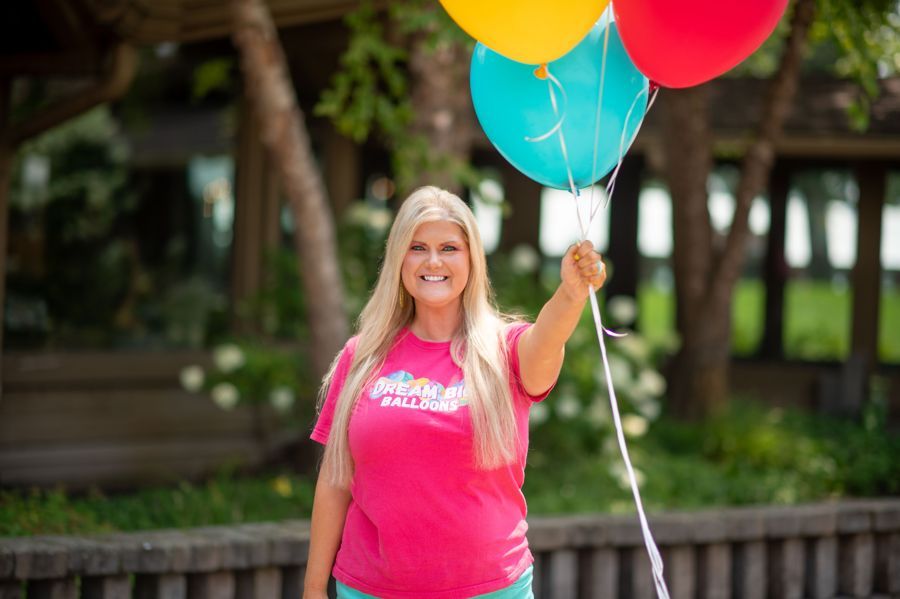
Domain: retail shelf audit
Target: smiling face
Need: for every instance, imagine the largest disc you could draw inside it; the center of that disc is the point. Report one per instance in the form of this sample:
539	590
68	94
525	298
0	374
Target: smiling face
436	266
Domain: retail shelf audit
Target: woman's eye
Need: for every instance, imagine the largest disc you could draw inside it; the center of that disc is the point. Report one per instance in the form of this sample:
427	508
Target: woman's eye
449	248
417	248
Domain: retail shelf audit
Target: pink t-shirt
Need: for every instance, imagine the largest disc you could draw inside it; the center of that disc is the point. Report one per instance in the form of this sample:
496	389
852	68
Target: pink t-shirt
423	521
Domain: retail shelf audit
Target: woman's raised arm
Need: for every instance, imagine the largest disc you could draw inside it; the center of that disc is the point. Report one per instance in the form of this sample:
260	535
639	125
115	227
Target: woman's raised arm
542	347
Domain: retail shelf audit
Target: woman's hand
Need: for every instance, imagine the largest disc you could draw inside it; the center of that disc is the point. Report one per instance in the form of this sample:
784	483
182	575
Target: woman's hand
581	268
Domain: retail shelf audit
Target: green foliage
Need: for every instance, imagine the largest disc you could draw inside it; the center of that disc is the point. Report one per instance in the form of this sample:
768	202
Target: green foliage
211	76
69	197
750	454
577	420
254	372
274	369
853	39
369	96
866	34
369	93
226	498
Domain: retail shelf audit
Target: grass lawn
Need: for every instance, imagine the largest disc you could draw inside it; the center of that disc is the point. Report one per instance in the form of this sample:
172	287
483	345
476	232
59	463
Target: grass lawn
816	319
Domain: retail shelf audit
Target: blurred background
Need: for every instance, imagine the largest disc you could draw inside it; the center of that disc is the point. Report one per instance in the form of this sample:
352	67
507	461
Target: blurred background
194	218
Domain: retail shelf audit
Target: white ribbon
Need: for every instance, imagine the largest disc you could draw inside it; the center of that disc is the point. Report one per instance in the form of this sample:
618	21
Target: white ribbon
656	562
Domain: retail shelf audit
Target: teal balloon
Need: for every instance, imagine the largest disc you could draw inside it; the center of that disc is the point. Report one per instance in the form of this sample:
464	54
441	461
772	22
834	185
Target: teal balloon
513	105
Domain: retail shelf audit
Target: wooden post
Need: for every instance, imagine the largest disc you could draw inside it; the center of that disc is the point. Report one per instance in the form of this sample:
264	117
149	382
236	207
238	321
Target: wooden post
246	252
872	180
342	172
623	229
775	266
523	226
6	157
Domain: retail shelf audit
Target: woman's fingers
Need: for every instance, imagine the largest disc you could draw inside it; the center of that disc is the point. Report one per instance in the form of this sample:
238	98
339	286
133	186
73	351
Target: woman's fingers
589	263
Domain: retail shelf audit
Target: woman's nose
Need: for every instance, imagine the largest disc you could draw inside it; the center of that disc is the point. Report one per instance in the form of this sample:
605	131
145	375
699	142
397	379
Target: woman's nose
434	258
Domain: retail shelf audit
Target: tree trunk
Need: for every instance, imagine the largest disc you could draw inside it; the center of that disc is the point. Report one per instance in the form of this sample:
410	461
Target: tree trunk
442	110
283	131
705	275
698	371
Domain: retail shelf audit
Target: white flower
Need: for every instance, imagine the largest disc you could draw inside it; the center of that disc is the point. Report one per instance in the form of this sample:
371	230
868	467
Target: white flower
380	219
523	259
619	369
634	346
228	357
648	407
651	382
281	398
539	413
192	378
620	473
622	309
225	395
634	425
568	407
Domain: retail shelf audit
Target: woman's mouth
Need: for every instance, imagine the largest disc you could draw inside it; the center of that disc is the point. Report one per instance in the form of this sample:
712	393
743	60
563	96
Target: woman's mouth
433	278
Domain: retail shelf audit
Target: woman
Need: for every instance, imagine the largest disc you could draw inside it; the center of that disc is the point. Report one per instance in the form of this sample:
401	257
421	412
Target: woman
425	419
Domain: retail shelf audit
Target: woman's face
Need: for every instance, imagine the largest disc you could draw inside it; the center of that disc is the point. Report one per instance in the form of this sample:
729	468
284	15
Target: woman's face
436	266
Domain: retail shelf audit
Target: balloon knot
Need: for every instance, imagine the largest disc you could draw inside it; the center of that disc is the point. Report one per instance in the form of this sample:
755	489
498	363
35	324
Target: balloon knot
652	85
541	71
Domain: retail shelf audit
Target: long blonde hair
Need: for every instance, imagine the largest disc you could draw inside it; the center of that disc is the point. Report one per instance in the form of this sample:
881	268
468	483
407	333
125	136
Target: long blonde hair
478	346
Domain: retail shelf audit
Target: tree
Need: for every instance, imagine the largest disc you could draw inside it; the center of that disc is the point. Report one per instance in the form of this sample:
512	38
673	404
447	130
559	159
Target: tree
404	78
283	131
706	270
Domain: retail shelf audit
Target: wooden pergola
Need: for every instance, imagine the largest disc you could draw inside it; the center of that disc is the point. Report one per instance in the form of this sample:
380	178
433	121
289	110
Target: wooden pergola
106	417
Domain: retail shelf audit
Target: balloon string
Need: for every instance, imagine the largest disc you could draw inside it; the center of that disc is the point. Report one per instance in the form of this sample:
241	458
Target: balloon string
623	147
652	550
551	80
599	110
562	138
656	562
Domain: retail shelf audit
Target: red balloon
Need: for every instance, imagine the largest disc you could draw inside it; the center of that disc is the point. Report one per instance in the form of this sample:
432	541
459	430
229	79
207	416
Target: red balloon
680	43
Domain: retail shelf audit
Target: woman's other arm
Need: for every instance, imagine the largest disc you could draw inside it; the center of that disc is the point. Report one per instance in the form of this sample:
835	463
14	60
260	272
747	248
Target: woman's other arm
542	346
328	515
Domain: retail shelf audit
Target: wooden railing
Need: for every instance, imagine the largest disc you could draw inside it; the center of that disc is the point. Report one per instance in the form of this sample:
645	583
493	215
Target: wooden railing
846	549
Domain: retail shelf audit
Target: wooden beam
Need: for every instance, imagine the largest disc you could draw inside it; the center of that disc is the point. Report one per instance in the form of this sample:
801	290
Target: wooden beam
775	266
871	177
65	24
123	65
46	64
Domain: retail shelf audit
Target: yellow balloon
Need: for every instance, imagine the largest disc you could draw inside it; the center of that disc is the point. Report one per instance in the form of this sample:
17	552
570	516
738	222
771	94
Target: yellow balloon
529	31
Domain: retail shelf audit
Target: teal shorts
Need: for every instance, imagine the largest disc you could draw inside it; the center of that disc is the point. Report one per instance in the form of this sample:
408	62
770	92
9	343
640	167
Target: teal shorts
520	589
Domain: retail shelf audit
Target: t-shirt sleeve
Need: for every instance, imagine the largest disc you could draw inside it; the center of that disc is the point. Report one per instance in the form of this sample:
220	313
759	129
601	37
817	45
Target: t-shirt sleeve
513	334
326	415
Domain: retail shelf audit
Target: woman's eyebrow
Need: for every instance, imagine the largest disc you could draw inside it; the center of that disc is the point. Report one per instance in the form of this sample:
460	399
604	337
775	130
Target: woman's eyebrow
448	242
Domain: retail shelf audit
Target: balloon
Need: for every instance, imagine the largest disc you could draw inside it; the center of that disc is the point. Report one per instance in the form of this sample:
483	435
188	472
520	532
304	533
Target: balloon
529	31
513	104
686	42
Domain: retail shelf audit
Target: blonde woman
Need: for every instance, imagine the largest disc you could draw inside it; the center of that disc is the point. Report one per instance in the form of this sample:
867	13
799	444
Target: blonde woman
424	418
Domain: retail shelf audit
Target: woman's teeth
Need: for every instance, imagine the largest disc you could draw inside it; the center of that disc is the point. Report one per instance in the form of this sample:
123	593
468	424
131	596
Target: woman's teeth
433	279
